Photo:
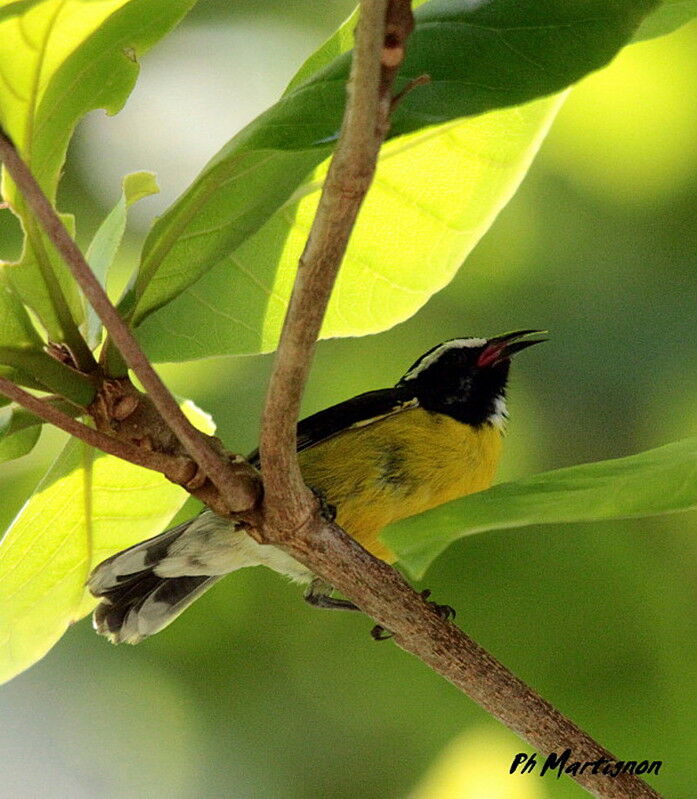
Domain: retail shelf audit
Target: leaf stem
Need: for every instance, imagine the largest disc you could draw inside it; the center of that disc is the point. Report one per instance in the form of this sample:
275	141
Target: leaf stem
72	336
48	372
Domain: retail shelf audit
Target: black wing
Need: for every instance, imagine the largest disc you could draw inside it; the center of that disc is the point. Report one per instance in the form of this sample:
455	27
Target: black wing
359	410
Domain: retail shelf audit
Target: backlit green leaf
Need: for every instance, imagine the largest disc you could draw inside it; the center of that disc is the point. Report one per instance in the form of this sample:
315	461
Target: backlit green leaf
669	16
22	351
107	240
480	56
662	480
87	507
60	59
19	432
419	222
16	329
27	277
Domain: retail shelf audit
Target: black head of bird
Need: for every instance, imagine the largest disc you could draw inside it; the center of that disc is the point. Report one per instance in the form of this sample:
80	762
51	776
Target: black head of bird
466	377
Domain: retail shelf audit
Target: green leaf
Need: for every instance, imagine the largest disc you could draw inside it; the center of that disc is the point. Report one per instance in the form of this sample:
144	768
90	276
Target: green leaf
19	378
19	432
232	198
23	351
87	507
341	41
16	329
669	16
16	445
480	57
60	59
20	429
662	480
42	279
50	47
41	371
139	185
107	240
418	223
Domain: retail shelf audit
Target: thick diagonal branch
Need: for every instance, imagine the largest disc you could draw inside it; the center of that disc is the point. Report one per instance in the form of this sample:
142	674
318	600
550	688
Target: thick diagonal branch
291	519
382	593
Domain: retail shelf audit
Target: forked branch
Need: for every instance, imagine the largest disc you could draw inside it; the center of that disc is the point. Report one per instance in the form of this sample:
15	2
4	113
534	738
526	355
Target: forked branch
235	481
176	468
291	517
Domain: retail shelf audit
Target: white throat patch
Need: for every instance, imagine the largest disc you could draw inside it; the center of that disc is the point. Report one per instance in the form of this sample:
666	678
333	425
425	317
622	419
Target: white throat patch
432	357
500	415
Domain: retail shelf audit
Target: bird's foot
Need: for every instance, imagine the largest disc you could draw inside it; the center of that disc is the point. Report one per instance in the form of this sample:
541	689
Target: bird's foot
445	612
319	596
326	509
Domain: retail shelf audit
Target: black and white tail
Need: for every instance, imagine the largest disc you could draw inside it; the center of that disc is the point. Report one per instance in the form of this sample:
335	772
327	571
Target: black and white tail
146	587
136	600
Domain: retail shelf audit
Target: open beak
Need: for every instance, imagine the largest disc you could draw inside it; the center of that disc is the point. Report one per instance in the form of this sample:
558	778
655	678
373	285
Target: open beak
501	348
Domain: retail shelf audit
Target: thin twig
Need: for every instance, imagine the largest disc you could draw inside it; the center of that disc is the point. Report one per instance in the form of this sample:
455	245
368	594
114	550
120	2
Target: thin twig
291	519
414	83
235	480
176	468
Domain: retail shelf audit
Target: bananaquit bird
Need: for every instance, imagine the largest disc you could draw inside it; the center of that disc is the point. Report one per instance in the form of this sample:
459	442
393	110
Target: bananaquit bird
377	458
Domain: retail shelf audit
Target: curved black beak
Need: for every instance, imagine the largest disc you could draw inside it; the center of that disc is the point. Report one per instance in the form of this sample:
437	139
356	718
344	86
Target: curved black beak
501	348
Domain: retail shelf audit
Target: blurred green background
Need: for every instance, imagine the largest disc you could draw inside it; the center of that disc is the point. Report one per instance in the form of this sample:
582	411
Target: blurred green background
254	694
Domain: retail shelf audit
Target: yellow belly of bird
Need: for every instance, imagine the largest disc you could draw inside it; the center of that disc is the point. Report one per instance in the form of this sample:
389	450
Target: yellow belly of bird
399	466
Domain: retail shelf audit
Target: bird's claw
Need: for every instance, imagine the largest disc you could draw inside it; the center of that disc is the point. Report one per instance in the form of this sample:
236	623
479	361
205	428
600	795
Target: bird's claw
326	509
379	633
445	612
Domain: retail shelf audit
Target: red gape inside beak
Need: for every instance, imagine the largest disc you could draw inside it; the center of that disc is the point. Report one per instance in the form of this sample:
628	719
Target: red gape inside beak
502	347
490	354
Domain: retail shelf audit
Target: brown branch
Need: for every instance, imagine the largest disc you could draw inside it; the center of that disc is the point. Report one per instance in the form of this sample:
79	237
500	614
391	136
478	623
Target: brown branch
235	480
291	519
378	53
382	593
290	516
177	469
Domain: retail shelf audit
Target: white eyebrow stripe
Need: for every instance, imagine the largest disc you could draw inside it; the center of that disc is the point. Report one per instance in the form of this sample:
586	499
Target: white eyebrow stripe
432	357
